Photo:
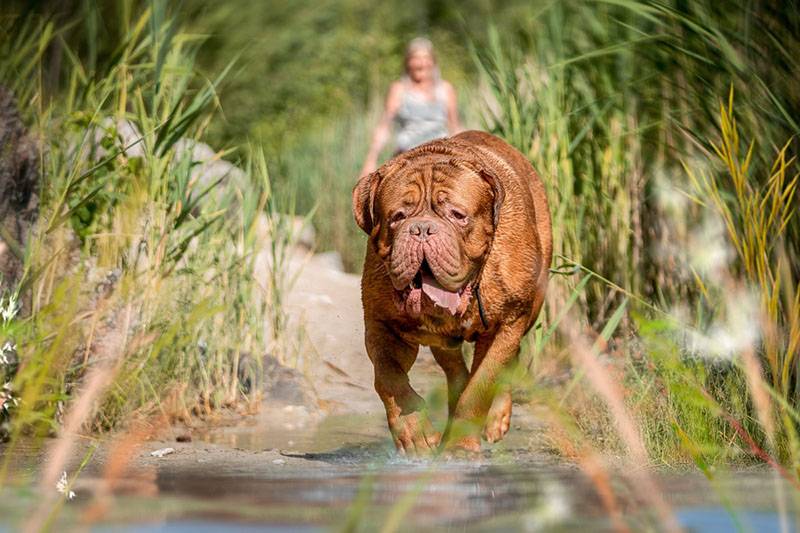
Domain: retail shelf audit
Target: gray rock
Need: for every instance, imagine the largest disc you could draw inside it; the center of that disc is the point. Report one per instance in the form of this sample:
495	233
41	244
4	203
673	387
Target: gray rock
208	168
126	137
286	386
19	179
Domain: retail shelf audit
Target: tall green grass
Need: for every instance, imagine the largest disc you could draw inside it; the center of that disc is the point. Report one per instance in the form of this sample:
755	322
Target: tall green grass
139	292
617	105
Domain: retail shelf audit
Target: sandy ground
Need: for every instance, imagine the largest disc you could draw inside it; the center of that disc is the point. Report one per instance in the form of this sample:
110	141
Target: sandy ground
337	419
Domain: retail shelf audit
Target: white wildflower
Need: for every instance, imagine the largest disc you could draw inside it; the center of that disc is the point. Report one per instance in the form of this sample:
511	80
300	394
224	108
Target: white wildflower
63	487
708	249
669	197
736	330
4	351
7	398
9	309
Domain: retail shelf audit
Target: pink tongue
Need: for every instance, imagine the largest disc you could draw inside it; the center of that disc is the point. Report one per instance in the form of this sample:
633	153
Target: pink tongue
440	296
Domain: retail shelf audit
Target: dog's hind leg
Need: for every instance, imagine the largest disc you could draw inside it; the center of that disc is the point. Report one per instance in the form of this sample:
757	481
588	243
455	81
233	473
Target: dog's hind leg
452	362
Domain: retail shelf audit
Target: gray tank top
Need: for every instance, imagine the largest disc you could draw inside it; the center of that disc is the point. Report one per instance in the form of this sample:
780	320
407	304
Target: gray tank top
420	120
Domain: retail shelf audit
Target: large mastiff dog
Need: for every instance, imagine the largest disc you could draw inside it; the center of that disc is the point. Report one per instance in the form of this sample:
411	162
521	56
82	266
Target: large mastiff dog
459	250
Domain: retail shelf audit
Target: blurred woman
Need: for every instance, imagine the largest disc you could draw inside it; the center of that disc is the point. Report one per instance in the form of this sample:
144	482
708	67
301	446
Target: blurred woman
422	106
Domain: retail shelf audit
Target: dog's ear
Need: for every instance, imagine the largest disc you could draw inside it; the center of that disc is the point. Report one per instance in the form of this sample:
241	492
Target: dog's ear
366	190
480	166
490	177
363	200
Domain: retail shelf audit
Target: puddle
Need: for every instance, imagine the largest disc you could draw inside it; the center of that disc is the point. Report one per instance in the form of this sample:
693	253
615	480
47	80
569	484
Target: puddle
293	429
291	471
323	494
719	520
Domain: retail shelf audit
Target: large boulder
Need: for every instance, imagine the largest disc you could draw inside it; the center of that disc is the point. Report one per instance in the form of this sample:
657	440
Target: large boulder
19	176
208	169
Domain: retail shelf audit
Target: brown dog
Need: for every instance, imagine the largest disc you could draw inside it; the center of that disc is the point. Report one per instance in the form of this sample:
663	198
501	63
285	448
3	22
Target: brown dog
459	249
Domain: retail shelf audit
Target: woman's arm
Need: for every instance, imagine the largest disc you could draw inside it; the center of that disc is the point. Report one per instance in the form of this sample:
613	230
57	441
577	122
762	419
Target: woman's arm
384	128
453	122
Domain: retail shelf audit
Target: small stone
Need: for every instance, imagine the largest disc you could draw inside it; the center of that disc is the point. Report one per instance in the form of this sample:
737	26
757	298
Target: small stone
278	461
184	437
162	452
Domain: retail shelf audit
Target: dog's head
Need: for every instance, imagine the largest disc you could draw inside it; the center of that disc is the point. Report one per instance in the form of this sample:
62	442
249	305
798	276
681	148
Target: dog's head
431	215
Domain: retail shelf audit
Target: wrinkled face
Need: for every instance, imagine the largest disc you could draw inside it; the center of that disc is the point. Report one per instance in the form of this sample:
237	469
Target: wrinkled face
434	227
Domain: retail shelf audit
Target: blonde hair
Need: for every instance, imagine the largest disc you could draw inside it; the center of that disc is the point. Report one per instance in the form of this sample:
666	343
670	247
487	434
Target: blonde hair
421	45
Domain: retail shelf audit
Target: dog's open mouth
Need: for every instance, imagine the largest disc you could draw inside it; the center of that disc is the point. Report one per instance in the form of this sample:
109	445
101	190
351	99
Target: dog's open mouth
424	282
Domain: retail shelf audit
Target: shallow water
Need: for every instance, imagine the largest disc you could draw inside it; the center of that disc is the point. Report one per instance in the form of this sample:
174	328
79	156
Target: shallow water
415	495
341	473
411	496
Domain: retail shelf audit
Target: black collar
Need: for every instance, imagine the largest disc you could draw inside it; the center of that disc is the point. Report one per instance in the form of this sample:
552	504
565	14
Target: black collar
481	311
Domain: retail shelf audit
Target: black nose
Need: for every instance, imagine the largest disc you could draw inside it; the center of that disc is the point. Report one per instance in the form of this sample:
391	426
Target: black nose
422	228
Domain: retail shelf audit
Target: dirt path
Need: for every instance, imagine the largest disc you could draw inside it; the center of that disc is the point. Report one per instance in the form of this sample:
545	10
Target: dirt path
318	433
339	409
327	304
325	412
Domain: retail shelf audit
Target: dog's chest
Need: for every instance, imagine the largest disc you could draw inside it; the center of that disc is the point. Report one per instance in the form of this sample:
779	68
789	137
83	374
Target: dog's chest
445	332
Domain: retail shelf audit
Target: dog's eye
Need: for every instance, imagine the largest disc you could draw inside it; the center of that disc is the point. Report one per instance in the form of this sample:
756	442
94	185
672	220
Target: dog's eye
397	217
458	216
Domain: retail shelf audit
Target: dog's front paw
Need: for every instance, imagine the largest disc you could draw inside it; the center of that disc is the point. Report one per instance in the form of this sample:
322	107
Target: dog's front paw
414	434
499	418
